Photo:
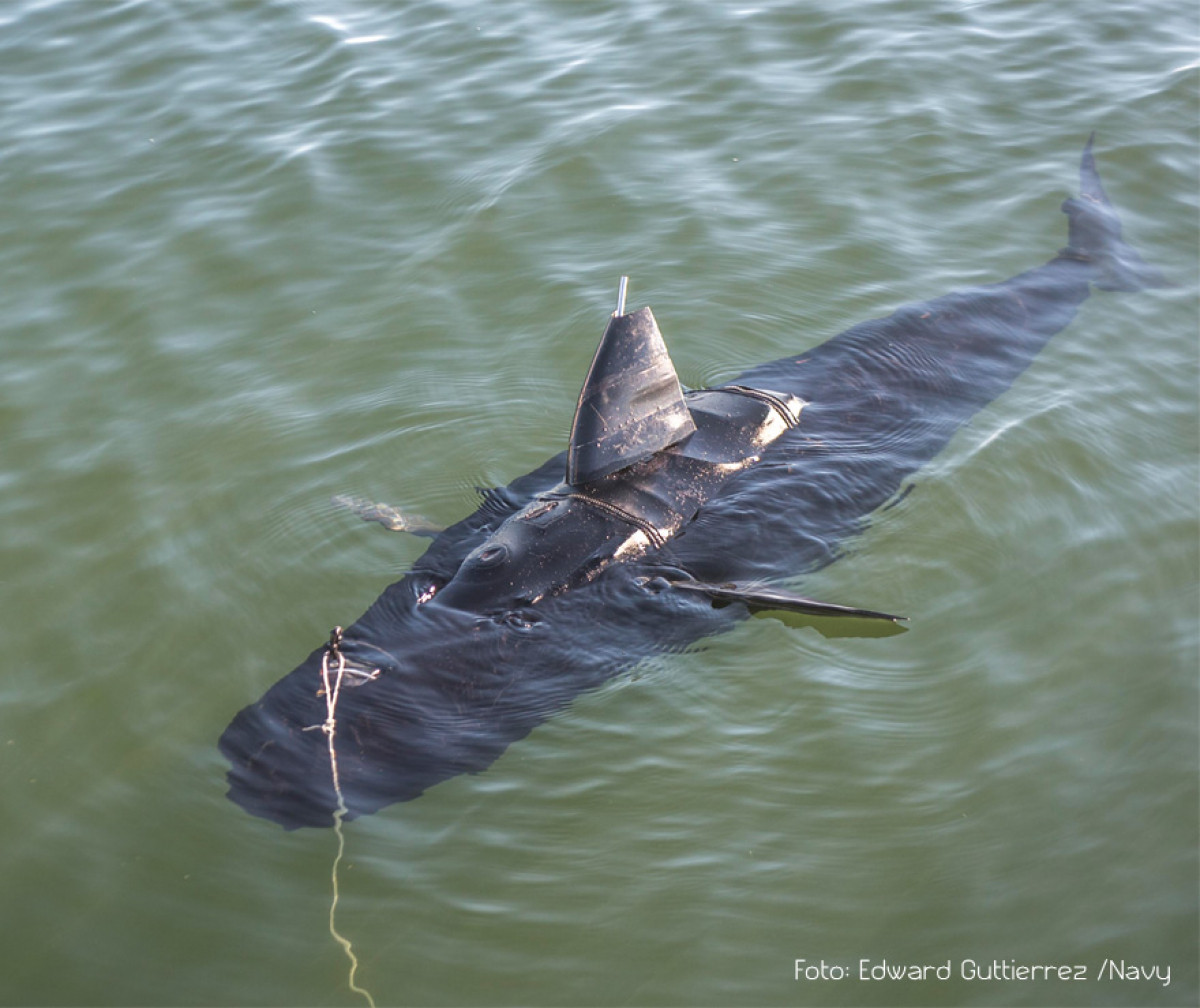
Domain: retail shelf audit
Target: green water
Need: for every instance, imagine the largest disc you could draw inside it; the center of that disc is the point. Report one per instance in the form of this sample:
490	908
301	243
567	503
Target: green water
253	255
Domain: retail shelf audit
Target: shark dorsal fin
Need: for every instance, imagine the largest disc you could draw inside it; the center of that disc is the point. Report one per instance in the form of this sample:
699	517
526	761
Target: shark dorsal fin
631	404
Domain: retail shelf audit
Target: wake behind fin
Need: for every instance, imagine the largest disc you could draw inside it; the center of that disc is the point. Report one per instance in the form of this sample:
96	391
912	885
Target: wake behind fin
1095	234
631	404
768	601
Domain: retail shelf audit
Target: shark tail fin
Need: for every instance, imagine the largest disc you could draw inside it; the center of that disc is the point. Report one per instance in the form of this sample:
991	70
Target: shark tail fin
1095	234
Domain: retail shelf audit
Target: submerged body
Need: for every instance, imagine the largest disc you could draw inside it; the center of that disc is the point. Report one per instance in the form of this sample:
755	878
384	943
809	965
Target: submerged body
658	526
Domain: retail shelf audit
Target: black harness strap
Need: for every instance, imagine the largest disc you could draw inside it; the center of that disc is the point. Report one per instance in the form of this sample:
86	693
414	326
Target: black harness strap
656	538
777	404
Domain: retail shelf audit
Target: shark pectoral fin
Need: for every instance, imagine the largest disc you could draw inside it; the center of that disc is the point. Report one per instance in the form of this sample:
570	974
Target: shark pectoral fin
387	516
778	603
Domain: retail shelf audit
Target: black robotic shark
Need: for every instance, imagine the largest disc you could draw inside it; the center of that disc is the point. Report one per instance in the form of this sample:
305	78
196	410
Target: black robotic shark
664	521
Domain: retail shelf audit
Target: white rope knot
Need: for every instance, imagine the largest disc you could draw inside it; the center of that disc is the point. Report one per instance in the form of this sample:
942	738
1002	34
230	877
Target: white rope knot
331	698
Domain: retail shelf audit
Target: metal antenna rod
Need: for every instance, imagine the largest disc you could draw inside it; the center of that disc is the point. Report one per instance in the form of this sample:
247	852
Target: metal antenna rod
621	296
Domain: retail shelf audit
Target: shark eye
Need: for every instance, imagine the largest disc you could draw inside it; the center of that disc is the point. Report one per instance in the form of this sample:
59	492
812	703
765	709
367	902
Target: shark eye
492	556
